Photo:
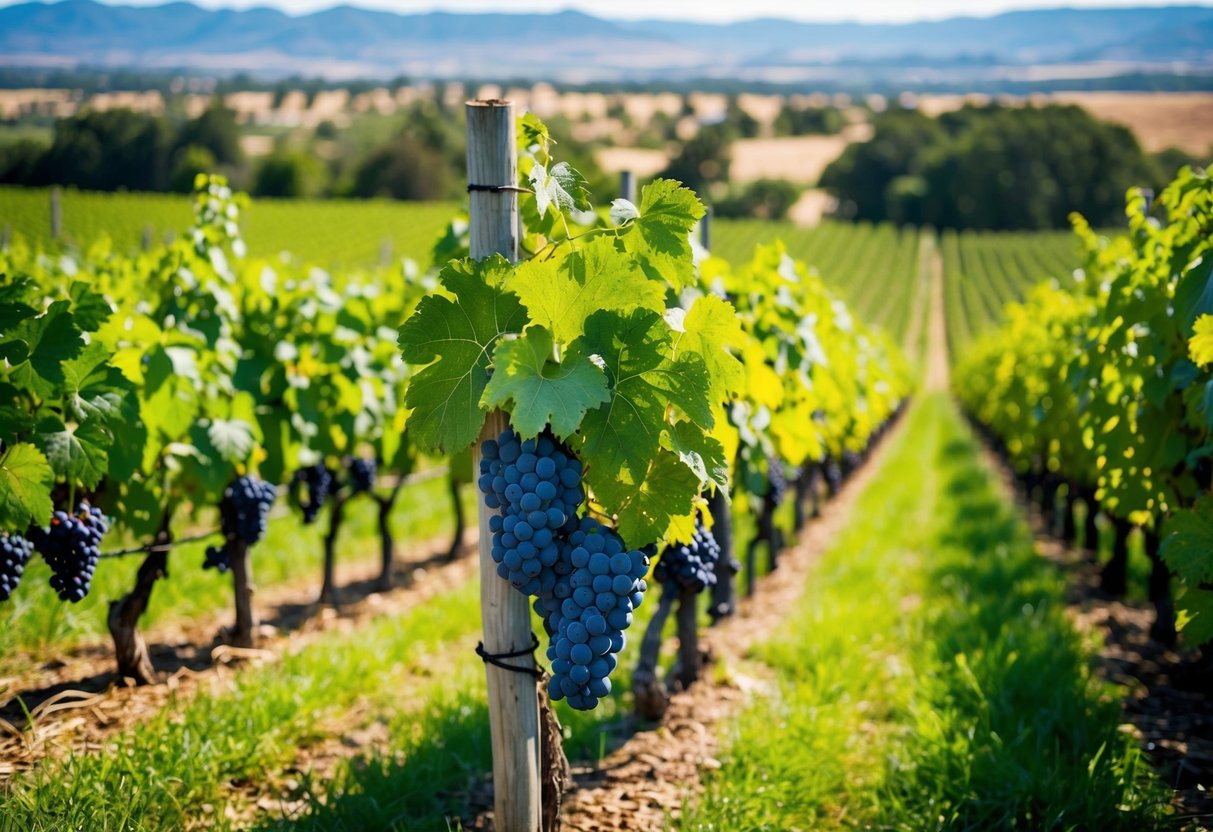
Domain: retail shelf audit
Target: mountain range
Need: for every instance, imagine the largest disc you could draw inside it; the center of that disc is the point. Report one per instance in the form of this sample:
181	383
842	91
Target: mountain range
346	41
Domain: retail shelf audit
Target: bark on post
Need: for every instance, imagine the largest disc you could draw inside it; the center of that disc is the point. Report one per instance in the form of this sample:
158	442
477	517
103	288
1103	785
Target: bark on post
506	615
242	585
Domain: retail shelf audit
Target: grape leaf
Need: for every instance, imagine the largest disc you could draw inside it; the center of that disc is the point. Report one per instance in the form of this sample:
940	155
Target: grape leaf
52	338
1194	293
643	379
232	439
13	306
89	309
623	210
1187	545
645	504
76	453
1196	615
457	335
711	329
25	487
543	392
560	295
660	236
699	452
91	387
562	186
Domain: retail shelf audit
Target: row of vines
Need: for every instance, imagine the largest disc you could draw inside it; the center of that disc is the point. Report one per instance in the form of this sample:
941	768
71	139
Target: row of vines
636	389
1099	391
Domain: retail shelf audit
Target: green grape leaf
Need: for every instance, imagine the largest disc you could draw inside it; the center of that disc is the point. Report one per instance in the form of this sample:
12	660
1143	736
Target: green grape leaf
699	452
26	480
232	439
16	417
13	306
623	210
533	133
561	294
645	504
711	328
562	186
660	236
643	378
91	386
1196	615
1194	293
1187	545
90	309
51	338
457	335
543	392
76	453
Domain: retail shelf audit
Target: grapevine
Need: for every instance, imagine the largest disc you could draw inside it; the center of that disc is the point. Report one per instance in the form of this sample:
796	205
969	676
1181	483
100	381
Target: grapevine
245	512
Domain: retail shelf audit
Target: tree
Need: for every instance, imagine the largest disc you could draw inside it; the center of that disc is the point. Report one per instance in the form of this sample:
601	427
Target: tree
217	131
105	151
402	169
703	160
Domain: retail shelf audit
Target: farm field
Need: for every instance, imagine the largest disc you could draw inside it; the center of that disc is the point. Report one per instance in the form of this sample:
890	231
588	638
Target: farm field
890	611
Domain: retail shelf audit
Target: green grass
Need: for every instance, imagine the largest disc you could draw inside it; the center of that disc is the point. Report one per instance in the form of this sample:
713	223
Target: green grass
35	626
329	233
930	679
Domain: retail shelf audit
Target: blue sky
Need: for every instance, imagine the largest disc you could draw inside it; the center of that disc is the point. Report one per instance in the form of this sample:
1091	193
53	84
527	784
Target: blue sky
704	10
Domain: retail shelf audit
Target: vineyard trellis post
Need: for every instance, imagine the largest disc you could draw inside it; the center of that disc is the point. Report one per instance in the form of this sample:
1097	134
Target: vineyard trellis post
627	186
505	613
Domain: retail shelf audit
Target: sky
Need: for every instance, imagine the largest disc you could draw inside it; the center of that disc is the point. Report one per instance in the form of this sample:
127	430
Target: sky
871	11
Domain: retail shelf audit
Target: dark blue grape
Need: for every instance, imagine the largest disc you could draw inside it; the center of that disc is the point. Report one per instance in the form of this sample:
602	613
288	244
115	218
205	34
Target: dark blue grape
244	514
317	481
690	567
362	474
71	545
15	552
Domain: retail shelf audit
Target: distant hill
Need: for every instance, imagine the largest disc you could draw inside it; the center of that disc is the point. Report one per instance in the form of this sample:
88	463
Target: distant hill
348	41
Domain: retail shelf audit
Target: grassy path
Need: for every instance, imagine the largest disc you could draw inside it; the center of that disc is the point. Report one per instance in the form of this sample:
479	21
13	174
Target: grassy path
929	678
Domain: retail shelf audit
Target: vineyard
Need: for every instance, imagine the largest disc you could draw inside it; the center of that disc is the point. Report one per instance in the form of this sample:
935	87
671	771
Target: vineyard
268	523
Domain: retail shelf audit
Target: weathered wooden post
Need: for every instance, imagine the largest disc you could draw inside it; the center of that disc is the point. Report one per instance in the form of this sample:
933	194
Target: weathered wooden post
627	186
505	613
56	212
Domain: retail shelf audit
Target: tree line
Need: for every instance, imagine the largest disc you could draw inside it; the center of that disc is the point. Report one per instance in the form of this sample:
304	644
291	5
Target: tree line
995	167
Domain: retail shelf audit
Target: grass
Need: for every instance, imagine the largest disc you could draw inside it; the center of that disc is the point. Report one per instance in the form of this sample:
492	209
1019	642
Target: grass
35	625
930	678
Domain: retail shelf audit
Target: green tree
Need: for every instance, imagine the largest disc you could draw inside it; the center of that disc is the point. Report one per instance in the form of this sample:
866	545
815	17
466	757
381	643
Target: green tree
216	130
402	169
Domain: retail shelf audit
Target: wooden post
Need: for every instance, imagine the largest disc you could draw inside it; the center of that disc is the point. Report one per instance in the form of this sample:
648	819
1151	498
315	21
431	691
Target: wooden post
56	212
504	611
245	632
705	230
627	186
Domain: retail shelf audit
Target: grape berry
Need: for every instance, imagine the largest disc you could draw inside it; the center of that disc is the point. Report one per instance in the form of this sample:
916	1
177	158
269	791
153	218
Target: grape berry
71	546
244	512
585	581
318	481
362	474
15	552
690	567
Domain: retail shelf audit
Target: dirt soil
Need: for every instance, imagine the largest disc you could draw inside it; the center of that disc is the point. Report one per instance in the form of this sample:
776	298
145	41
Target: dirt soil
78	704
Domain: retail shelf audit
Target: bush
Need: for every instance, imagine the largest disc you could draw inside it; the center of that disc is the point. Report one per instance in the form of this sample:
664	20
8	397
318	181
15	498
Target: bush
768	199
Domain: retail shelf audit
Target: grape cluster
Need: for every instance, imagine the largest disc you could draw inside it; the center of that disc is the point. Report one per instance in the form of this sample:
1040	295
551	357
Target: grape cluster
585	581
71	546
244	512
317	480
362	474
598	586
833	475
690	567
537	486
777	476
15	552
